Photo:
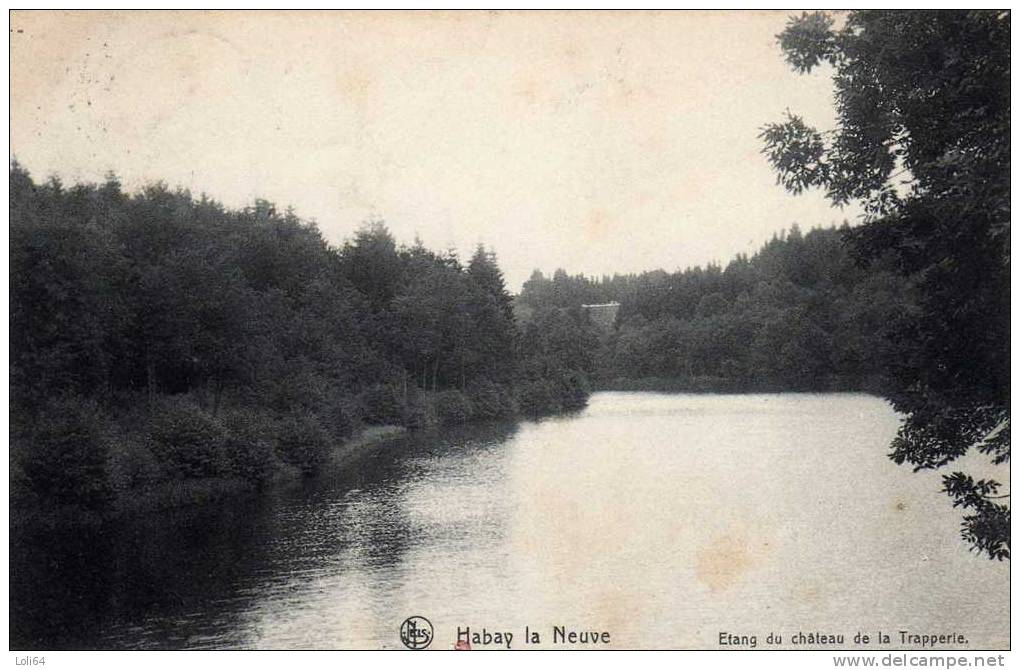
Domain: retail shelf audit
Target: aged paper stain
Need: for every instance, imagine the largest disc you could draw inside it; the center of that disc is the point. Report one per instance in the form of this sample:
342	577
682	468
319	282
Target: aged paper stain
723	562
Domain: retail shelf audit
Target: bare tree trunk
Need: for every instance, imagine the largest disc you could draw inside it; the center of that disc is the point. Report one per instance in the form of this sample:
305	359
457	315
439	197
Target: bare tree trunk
217	391
106	385
150	378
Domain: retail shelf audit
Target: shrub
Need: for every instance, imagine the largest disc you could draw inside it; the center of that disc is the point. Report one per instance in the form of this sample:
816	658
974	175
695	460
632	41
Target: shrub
452	407
302	441
133	465
249	445
417	412
574	389
341	418
187	441
63	457
22	492
491	400
381	404
538	396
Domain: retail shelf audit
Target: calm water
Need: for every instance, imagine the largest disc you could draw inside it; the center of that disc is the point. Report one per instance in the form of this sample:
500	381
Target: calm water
663	519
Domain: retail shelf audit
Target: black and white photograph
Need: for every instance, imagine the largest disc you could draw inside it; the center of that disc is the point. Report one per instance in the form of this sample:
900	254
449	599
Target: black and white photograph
510	330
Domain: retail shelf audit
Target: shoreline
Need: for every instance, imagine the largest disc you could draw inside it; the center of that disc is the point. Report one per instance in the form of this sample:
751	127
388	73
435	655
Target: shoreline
348	452
722	385
188	493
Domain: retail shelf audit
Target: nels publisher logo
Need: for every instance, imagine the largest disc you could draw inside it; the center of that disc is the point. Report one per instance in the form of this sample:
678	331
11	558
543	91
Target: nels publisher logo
416	632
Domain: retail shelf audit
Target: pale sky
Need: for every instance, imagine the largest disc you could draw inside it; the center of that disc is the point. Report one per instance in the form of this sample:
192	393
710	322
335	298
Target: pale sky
599	142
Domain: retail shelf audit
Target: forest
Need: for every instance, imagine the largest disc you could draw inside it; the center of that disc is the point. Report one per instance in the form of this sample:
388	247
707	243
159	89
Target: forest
159	338
801	314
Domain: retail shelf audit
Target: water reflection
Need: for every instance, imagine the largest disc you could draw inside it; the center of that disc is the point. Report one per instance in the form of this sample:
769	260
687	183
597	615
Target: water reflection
216	576
664	519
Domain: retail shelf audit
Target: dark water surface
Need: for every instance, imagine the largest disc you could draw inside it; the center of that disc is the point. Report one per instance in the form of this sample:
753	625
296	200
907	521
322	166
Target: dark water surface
664	519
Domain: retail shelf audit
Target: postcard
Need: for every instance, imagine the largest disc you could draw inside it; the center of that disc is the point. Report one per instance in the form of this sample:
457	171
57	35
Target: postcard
510	330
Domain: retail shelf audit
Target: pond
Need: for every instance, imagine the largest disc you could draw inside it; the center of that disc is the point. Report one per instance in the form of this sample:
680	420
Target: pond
664	520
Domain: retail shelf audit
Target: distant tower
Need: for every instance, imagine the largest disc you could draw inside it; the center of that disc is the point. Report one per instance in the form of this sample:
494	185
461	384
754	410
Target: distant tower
604	315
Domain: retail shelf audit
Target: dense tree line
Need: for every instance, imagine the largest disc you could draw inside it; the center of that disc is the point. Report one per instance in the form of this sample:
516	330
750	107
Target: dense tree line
159	337
923	144
800	314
